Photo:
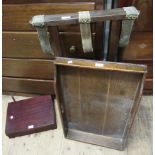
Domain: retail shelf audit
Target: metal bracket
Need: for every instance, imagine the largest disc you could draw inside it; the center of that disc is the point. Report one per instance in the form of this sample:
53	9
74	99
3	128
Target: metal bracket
85	29
131	14
39	24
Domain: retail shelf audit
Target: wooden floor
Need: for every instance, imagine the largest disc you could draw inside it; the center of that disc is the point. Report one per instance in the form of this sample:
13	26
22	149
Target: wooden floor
53	142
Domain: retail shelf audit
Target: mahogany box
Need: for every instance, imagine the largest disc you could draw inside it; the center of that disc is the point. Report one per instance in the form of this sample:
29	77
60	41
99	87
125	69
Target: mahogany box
30	116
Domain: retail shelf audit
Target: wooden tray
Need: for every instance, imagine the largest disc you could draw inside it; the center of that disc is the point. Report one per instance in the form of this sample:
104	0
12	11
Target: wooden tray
30	116
98	100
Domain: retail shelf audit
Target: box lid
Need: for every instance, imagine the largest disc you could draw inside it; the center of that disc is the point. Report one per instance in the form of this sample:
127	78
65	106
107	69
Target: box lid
30	116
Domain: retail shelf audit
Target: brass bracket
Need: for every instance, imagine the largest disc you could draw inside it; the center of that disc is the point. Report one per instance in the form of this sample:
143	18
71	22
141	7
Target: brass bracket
131	14
39	24
85	29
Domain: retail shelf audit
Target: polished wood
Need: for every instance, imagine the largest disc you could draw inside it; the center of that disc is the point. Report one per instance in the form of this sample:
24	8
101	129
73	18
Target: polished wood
139	142
144	23
55	40
115	30
75	42
19	94
37	112
22	45
28	68
25	85
101	65
16	17
26	45
140	47
147	62
96	16
98	2
148	84
95	105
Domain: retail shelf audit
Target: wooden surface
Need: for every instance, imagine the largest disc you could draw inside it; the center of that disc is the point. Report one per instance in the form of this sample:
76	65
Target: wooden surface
148	84
147	62
16	17
37	113
98	2
25	85
95	105
101	65
140	47
28	68
20	42
22	45
144	22
139	141
96	16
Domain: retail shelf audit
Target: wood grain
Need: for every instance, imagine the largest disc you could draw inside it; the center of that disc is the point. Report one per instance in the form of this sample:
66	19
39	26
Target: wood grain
76	42
99	2
22	45
95	105
37	112
101	65
148	84
26	45
96	16
148	62
28	68
24	85
140	47
145	19
115	29
16	17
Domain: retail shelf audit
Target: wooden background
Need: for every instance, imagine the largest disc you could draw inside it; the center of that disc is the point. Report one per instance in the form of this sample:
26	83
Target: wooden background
27	70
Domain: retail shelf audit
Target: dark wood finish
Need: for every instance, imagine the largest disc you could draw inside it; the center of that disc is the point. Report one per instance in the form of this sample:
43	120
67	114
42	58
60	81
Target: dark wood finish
20	94
30	116
140	47
96	16
95	105
101	65
148	84
27	68
148	62
25	85
115	29
123	3
16	17
22	45
98	2
55	40
114	40
76	42
145	20
26	45
148	91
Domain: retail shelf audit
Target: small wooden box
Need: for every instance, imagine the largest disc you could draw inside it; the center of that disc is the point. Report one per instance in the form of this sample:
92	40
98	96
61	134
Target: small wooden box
30	116
98	100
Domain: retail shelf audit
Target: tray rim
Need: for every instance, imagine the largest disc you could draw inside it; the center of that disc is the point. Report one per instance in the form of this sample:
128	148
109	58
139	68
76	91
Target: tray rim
100	65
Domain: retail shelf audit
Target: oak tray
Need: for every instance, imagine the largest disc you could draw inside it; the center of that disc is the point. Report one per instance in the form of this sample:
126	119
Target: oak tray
98	100
30	116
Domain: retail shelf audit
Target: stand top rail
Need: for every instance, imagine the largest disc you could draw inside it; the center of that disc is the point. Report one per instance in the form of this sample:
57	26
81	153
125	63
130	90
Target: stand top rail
96	16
